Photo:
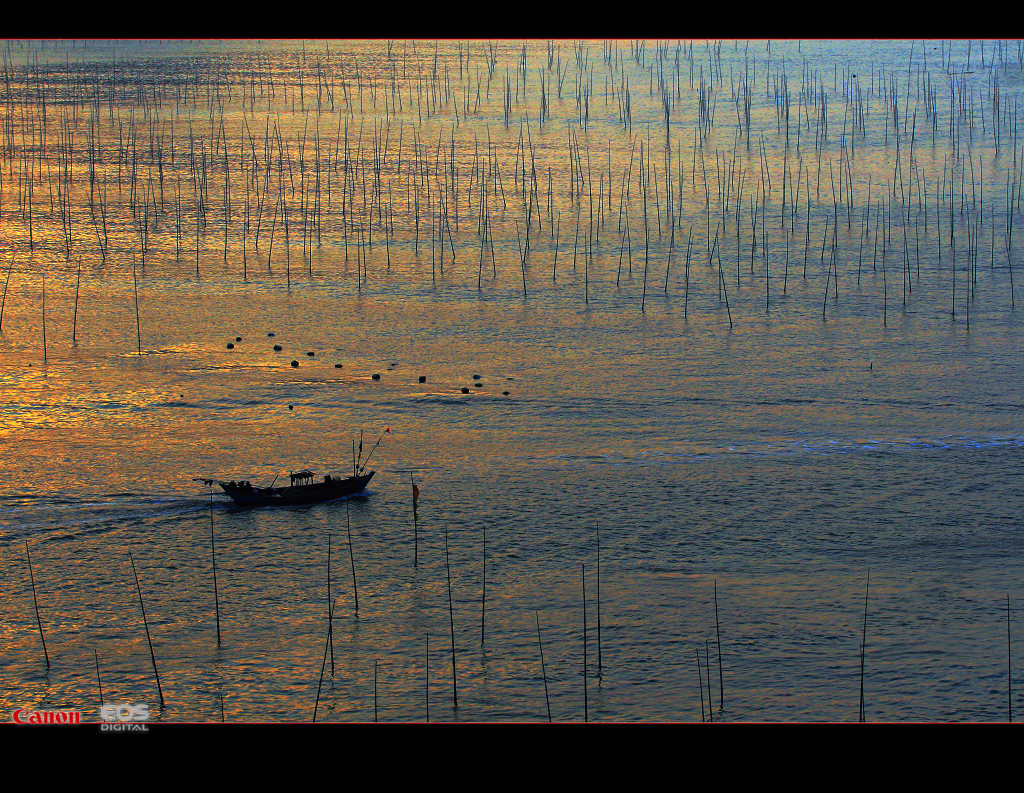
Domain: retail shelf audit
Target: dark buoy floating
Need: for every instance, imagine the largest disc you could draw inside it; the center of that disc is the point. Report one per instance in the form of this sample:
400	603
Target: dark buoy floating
295	363
423	378
478	385
476	377
310	354
271	333
238	338
290	407
231	346
504	393
277	348
465	390
376	377
337	366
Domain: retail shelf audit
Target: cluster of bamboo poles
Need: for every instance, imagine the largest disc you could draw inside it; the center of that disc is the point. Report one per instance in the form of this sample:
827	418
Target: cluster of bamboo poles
588	671
102	163
332	599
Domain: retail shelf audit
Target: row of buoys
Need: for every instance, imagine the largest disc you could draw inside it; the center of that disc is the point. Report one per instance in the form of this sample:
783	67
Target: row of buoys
376	376
279	348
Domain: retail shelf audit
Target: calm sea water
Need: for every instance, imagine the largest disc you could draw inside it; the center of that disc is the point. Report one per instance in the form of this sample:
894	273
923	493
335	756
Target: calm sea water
772	455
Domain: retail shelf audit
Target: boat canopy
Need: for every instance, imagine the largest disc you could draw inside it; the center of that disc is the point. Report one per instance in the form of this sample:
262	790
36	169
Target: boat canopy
301	476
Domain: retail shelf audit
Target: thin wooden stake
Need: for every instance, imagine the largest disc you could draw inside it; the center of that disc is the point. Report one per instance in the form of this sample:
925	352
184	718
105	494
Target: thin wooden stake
718	638
99	682
543	668
1009	665
323	664
863	642
35	603
583	585
700	677
707	666
415	522
451	622
351	557
330	604
598	602
145	622
483	591
213	558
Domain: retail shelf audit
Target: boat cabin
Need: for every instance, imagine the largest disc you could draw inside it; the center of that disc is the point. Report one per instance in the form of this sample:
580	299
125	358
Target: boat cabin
301	478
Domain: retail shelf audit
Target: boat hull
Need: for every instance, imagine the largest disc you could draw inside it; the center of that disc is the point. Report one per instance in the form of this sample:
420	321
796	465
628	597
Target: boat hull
314	493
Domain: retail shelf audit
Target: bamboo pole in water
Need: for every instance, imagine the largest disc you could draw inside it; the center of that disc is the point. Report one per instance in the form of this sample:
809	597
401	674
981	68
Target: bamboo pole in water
99	681
863	645
74	320
3	300
707	667
543	668
213	560
583	587
1009	665
451	622
718	640
415	523
138	326
35	604
599	662
700	685
323	664
351	557
44	317
483	591
145	622
330	604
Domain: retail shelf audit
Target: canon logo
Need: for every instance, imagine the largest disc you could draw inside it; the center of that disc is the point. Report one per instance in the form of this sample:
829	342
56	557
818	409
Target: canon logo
24	716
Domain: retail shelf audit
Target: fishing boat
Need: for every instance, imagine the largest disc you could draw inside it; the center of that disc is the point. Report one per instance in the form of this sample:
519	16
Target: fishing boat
303	489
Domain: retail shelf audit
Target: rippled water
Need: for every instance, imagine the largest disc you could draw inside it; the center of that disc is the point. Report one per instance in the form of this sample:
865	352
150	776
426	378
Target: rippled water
778	460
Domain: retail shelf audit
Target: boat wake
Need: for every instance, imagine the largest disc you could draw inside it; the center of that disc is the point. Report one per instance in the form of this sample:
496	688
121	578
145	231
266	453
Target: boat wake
55	517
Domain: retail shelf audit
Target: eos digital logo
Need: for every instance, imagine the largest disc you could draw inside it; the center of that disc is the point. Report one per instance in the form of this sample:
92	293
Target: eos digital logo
124	717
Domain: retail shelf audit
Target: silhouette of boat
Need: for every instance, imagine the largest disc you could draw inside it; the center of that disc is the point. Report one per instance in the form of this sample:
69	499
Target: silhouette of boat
302	489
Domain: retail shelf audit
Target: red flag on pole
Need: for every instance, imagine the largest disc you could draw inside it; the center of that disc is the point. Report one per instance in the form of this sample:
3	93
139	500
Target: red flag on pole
415	494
